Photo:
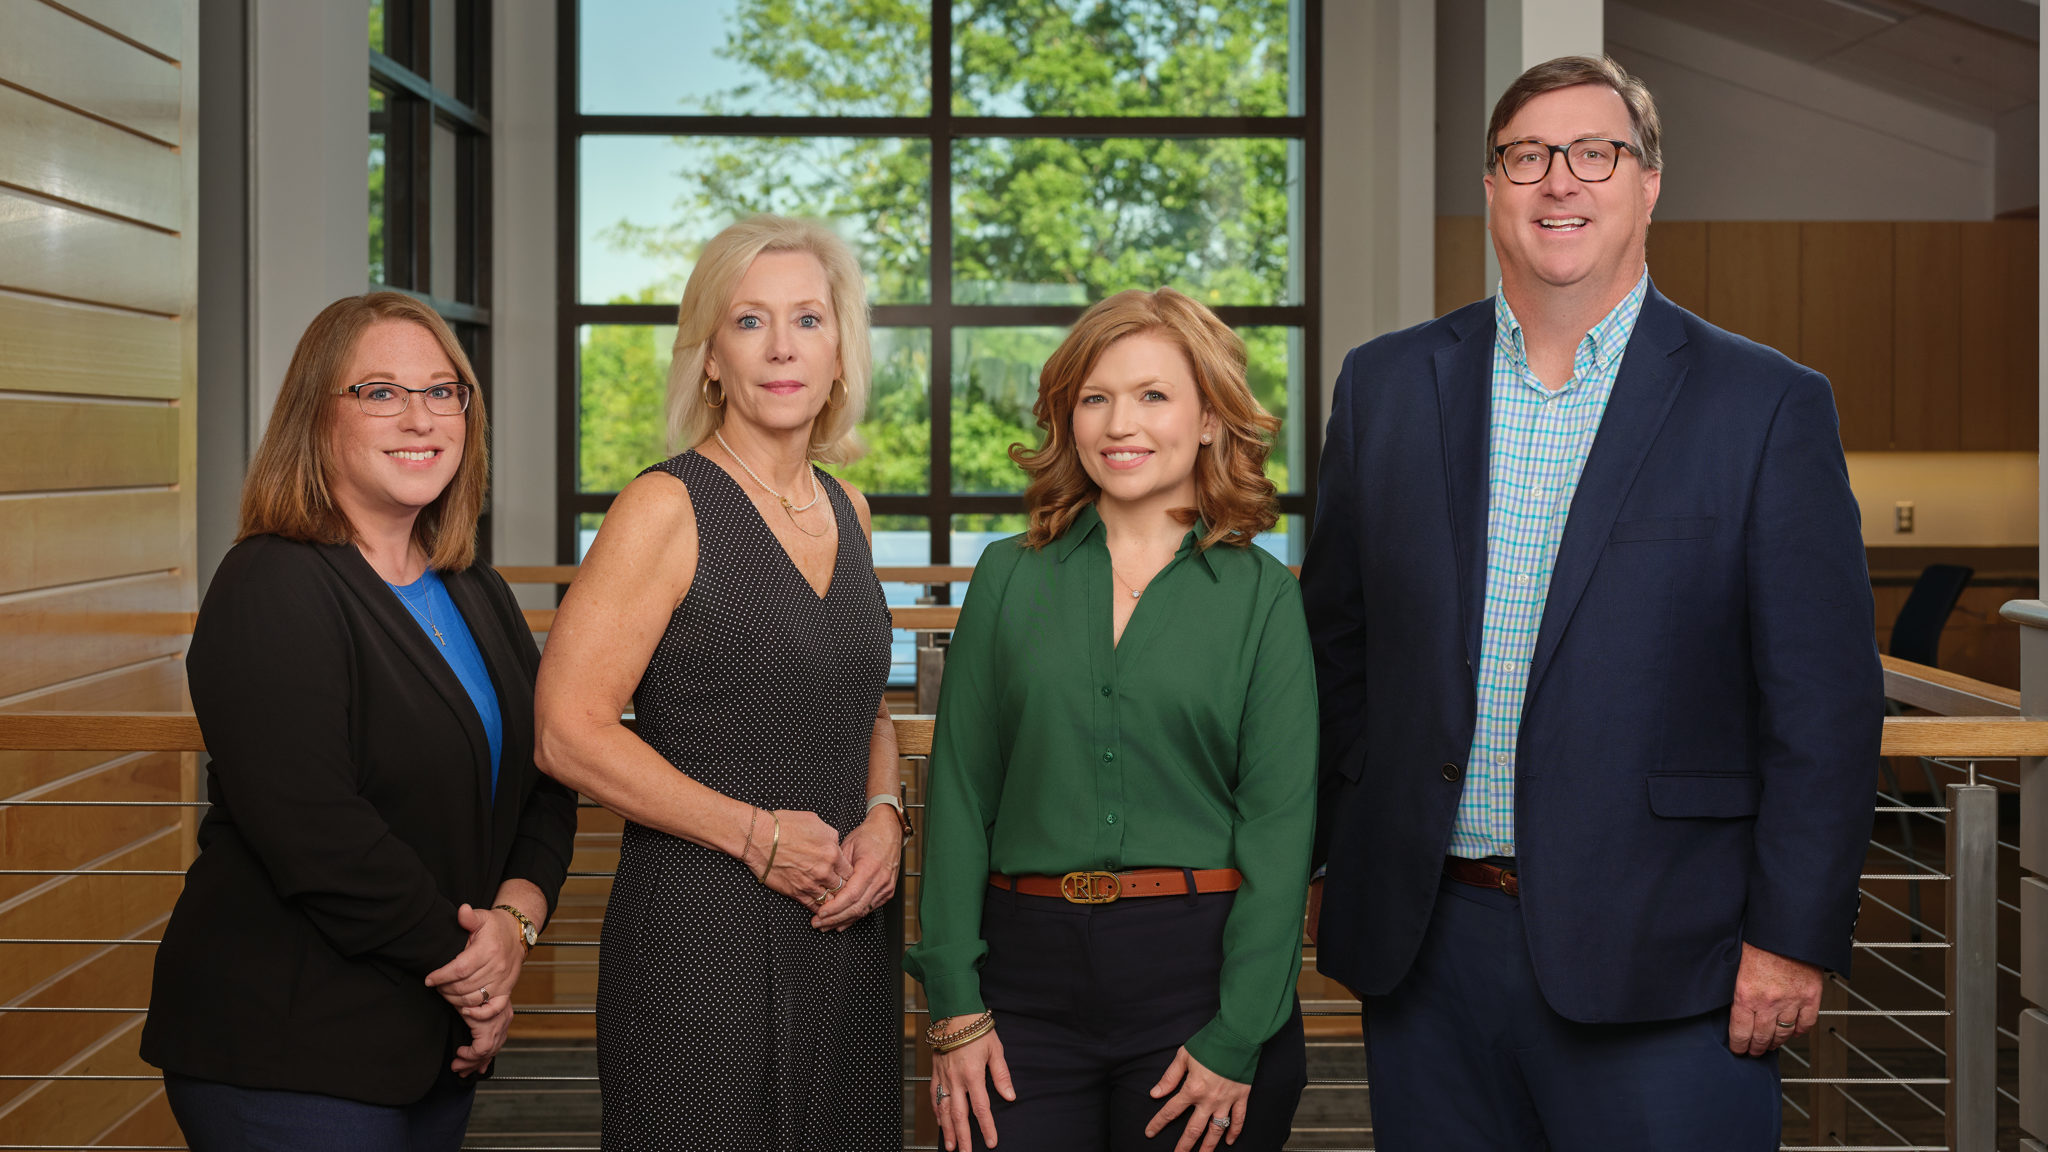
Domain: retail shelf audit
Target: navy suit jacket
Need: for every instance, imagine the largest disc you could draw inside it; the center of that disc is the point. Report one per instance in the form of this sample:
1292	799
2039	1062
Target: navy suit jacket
1700	732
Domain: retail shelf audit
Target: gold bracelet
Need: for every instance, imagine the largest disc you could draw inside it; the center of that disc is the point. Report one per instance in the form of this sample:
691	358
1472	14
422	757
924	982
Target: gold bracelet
774	843
966	1036
934	1036
753	818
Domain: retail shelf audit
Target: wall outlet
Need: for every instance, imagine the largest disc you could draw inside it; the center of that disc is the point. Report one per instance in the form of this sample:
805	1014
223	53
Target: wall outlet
1902	517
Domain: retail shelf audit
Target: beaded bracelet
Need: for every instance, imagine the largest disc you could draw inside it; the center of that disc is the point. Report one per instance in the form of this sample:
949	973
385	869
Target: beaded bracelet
974	1030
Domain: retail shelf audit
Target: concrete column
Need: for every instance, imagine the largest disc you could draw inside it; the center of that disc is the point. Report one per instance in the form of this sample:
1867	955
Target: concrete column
1379	178
2032	1024
1521	33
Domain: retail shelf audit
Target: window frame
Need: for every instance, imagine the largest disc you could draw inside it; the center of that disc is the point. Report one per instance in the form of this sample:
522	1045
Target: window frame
941	316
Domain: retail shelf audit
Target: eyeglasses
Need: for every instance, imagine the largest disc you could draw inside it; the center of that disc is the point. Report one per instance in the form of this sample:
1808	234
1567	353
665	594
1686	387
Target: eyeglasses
381	399
1591	160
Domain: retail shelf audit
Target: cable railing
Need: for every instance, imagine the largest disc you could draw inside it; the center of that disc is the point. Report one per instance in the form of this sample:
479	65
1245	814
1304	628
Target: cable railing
1906	1057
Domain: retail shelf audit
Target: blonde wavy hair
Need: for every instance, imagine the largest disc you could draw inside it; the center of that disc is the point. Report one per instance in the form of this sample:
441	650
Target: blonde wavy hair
286	492
709	293
1233	497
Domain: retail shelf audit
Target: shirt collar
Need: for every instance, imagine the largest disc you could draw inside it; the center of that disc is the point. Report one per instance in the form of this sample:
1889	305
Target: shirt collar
1089	522
1609	336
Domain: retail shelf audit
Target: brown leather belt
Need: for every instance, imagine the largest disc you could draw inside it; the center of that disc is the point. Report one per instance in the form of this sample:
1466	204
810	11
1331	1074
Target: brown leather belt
1109	887
1482	875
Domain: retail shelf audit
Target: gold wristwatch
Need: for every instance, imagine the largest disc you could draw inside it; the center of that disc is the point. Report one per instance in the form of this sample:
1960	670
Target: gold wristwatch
527	931
896	802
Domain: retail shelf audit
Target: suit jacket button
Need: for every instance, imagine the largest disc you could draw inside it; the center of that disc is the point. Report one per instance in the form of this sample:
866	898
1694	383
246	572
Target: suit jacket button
1451	772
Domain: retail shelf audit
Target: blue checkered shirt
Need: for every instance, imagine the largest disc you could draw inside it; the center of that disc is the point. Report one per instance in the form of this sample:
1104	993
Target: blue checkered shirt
1537	448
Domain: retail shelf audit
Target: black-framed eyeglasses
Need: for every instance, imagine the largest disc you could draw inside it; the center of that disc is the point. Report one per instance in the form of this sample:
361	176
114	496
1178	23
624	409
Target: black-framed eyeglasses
1591	159
383	399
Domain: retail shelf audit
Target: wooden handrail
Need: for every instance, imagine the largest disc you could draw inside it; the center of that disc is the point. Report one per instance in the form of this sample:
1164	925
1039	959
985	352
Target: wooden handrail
1949	737
1945	693
887	574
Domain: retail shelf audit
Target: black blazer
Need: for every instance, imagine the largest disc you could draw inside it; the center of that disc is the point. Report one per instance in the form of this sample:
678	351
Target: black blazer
351	813
1704	700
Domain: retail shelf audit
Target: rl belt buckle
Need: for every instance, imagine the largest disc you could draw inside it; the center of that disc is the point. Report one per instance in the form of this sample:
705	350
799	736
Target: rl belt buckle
1090	887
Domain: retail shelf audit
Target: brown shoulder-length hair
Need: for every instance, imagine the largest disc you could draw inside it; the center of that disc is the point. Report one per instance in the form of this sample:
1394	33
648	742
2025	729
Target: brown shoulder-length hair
286	492
1233	497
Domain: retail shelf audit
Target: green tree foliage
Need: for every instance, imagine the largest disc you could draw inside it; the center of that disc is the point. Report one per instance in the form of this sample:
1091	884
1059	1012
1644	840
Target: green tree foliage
1035	220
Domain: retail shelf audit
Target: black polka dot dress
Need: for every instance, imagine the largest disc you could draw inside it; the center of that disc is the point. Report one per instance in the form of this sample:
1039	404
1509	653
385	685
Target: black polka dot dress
725	1022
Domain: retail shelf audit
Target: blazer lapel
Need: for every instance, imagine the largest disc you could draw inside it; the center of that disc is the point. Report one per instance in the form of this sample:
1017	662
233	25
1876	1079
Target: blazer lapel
1651	375
514	685
405	631
1464	397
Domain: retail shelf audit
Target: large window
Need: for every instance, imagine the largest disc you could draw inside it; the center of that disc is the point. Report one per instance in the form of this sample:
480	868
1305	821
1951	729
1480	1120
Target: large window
997	165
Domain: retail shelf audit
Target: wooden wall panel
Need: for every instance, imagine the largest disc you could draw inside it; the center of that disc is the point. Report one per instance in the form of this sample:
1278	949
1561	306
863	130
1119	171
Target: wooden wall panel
82	1114
157	686
1678	263
1845	317
1926	337
58	837
1753	281
51	346
58	56
2000	326
88	536
61	154
1460	261
47	445
50	637
52	250
153	24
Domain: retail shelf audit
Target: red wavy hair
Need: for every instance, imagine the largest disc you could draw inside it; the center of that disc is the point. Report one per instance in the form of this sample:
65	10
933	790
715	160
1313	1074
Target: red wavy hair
1233	497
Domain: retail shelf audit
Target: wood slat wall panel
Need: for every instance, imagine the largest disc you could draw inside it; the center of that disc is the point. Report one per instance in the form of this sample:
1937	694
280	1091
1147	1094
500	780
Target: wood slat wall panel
151	23
56	55
47	446
57	251
21	771
1678	263
59	153
1753	281
150	1123
1460	261
63	635
1926	337
2000	323
1844	311
89	536
51	346
41	1041
158	686
74	837
89	906
80	1114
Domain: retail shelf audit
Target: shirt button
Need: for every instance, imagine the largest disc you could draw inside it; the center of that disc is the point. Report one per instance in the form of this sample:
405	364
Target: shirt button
1105	689
1111	818
1502	759
1108	755
1450	772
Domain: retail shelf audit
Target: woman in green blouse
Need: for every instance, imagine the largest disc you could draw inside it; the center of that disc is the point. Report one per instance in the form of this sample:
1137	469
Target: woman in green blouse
1129	711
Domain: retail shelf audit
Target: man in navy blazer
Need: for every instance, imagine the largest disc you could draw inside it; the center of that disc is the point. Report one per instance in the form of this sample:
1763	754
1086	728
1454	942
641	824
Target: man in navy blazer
1600	690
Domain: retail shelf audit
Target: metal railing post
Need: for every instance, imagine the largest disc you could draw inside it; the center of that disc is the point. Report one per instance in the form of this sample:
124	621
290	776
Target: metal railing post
931	669
1972	976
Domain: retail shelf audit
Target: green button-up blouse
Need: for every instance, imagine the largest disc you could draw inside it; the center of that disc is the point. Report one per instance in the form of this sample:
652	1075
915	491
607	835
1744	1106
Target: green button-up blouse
1189	744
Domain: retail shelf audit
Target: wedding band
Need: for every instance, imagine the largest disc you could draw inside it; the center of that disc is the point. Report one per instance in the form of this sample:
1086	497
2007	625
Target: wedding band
1788	1023
821	897
943	1093
487	994
1220	1121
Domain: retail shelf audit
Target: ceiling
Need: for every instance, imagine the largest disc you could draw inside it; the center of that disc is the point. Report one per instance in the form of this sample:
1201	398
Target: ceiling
1974	58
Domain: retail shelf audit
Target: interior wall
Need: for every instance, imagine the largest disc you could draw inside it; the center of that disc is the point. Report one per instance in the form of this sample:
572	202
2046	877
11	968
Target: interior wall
99	153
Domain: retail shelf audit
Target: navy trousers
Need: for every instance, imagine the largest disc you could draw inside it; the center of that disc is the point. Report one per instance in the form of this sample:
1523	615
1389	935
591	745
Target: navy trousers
218	1117
1465	1055
1091	1003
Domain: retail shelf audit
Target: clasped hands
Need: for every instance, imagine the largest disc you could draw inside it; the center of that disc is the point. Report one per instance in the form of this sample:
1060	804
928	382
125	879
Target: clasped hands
839	879
478	983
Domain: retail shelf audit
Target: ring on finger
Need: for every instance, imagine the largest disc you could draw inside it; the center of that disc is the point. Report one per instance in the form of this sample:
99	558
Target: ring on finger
487	994
1220	1121
943	1093
1787	1023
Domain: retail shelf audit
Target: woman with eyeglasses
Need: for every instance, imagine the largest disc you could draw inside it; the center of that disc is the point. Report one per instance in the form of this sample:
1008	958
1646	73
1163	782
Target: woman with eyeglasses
380	852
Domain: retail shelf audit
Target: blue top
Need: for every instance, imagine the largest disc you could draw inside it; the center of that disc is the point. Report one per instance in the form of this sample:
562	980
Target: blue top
428	601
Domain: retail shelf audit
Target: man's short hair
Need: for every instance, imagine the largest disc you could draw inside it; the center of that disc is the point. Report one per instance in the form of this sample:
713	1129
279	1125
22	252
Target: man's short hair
1570	72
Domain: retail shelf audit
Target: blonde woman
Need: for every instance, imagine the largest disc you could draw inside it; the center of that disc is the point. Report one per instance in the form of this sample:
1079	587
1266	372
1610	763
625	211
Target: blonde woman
746	995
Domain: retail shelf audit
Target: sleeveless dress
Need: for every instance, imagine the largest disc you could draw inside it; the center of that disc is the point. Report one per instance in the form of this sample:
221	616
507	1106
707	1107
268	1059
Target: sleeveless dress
725	1022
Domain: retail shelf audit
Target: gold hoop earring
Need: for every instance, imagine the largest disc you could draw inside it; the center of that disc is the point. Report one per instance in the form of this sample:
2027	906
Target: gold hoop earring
842	395
707	391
